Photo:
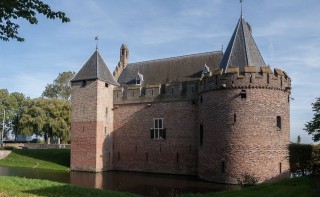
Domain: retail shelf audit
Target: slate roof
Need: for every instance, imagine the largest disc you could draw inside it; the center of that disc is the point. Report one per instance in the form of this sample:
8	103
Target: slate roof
95	68
242	50
175	69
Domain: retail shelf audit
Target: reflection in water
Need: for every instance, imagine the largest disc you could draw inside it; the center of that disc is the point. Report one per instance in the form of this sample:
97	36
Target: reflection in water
140	183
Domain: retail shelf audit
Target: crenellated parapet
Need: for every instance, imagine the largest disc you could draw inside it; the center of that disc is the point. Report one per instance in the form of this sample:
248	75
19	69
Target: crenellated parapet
171	91
250	78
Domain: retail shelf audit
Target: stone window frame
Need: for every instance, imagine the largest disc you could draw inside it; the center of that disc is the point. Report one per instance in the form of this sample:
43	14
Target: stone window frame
279	122
158	131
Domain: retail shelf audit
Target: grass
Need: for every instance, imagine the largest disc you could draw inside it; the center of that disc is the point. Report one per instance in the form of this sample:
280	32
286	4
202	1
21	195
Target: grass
296	187
53	159
14	186
59	159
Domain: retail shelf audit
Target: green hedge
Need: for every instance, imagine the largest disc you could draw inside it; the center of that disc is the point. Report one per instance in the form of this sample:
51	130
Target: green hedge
304	158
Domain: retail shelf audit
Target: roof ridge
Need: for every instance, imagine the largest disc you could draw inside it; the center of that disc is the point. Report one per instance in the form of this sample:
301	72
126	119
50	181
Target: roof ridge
176	57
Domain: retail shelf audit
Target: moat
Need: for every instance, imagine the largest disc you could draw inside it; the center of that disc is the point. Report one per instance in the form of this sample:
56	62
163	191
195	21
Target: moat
145	184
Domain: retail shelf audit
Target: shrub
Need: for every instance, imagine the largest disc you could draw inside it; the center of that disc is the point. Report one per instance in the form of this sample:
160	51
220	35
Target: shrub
247	179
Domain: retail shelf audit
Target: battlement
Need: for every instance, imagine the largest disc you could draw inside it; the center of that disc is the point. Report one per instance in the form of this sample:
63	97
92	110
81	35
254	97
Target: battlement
214	80
251	78
156	92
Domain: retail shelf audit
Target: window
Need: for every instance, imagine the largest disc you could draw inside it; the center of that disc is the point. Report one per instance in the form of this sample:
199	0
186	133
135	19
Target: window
223	167
243	94
280	168
158	132
279	122
106	85
201	99
122	52
84	83
105	130
138	82
234	118
201	135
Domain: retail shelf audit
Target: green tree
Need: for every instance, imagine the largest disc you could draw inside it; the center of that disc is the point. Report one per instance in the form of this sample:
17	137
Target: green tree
12	104
60	88
12	10
313	126
46	117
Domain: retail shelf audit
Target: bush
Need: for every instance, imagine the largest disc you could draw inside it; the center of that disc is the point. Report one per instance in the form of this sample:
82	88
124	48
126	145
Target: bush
7	148
247	179
304	159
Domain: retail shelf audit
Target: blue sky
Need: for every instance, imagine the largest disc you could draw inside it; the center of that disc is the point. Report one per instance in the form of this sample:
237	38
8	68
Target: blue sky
287	33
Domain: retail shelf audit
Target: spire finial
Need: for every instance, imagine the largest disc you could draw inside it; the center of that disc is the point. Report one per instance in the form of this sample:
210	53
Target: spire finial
97	39
241	2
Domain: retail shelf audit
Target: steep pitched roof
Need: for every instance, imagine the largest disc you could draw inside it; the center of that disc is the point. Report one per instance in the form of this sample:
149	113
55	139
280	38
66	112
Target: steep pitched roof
175	69
242	50
95	68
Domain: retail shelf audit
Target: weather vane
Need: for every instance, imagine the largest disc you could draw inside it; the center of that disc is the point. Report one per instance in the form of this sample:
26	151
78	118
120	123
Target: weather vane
241	2
97	39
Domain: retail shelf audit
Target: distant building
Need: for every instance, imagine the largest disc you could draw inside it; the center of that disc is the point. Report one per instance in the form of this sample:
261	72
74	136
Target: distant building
215	115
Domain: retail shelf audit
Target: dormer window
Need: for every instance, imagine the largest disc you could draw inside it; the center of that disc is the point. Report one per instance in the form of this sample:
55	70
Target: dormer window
205	70
139	79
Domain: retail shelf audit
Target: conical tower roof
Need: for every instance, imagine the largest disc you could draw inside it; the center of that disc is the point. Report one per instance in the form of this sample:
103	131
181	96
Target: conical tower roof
95	68
242	50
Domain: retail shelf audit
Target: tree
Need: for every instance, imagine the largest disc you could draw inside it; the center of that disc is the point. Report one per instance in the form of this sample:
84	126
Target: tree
12	104
12	10
60	88
46	117
313	126
298	139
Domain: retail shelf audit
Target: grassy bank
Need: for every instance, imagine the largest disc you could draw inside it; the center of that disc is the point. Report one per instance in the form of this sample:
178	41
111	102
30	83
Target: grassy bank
53	159
297	187
14	186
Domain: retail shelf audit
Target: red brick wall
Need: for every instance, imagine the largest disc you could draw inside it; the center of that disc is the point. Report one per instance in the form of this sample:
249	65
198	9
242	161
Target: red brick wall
253	143
92	116
134	149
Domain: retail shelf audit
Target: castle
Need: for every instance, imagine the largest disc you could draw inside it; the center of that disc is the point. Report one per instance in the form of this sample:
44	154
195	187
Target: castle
214	115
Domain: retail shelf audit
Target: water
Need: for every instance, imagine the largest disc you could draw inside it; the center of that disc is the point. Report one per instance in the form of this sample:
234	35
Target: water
145	184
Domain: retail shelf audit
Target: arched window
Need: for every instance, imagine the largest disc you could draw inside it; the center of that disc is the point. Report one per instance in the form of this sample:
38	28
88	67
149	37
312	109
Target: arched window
243	94
279	122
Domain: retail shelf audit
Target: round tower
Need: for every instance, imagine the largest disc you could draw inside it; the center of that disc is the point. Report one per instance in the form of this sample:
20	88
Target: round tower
244	115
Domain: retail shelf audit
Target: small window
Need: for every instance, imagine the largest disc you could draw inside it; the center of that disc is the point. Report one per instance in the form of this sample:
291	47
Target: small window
106	85
280	167
201	99
105	130
122	52
234	118
243	94
279	122
201	135
84	83
177	157
138	82
158	132
223	167
268	79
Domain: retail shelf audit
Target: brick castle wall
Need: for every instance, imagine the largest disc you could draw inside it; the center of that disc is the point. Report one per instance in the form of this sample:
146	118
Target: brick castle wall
133	148
92	124
241	135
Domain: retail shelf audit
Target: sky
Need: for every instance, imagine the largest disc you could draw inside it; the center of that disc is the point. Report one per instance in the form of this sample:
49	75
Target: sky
287	33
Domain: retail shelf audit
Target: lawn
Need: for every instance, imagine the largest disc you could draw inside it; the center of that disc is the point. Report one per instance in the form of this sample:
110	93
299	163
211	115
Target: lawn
59	159
14	186
53	159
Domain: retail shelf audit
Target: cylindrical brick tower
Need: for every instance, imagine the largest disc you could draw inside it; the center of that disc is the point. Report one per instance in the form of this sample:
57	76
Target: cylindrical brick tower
244	115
